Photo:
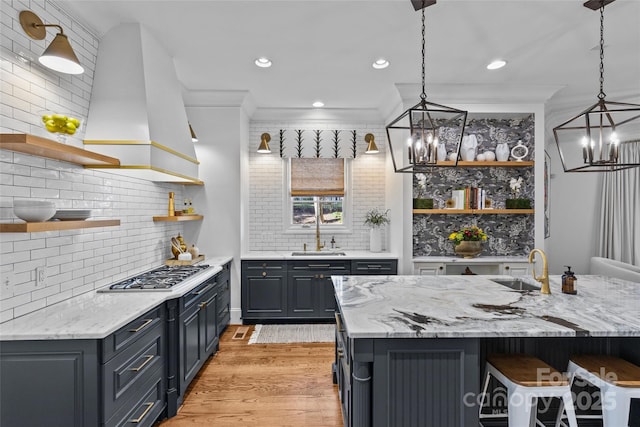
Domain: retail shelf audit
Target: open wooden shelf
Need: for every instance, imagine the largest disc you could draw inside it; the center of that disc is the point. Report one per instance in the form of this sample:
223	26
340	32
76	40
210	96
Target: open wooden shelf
474	211
512	164
38	146
178	218
32	227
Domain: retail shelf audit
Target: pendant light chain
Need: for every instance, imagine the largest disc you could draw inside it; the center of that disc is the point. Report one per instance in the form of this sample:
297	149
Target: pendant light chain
423	96
601	95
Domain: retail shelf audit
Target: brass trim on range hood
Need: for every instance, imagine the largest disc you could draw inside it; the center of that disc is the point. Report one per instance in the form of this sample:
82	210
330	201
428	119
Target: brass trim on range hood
184	179
134	142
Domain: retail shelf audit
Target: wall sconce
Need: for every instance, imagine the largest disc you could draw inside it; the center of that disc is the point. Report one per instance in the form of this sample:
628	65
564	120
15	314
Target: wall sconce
264	144
372	148
59	56
194	138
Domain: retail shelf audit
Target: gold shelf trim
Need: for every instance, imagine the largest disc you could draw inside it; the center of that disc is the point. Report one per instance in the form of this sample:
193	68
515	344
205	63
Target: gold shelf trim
140	142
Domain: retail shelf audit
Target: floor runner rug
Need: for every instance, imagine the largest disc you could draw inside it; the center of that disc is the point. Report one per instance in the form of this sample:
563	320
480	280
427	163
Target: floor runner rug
272	334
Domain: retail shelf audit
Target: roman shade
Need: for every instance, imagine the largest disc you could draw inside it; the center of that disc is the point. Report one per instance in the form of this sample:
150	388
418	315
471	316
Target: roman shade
317	177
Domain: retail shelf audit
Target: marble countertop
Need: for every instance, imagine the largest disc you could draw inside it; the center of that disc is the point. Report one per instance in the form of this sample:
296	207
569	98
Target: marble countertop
477	260
287	255
95	315
474	306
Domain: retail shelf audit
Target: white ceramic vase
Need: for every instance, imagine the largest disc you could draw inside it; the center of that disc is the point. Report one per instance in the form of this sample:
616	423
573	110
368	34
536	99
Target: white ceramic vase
375	239
502	152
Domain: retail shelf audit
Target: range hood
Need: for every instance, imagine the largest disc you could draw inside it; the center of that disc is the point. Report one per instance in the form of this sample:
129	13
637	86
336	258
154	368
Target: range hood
137	113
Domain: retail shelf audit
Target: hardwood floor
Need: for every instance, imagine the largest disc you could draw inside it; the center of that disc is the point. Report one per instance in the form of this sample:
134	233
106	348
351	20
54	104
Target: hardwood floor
263	385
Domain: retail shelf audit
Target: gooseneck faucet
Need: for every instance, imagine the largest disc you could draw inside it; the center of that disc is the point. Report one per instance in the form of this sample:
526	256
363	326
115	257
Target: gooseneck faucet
544	279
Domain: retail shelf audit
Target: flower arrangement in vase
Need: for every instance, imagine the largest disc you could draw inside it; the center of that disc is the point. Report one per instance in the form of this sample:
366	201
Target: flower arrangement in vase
468	241
516	202
376	219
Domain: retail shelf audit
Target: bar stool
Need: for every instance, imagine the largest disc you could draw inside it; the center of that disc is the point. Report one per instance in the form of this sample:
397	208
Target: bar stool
617	379
527	378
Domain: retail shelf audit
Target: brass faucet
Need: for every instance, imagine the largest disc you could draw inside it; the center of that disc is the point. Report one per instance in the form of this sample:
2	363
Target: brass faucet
544	279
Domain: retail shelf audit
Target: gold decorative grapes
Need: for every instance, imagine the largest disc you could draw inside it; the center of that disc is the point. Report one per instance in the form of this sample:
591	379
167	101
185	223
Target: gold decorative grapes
59	123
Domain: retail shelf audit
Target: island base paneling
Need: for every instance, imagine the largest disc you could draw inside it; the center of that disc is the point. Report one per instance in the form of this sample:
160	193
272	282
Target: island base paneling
431	381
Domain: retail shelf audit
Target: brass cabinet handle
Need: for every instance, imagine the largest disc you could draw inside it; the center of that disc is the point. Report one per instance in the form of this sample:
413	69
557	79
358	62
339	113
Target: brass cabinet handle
144	414
202	305
506	267
339	322
319	265
374	266
340	352
264	274
141	327
148	359
441	268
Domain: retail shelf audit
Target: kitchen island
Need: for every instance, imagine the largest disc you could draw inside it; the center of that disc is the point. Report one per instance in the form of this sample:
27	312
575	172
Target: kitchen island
410	350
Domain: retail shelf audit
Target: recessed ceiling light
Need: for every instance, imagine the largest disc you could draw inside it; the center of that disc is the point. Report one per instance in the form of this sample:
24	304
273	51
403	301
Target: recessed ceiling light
379	64
263	62
498	63
318	104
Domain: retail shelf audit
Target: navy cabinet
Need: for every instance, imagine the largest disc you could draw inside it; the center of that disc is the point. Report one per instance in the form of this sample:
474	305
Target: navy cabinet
264	290
299	290
87	382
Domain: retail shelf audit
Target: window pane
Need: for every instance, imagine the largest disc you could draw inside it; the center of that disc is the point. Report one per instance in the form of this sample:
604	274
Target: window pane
304	210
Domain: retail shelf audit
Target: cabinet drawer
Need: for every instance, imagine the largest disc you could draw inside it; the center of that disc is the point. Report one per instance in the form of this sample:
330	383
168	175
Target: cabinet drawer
263	265
142	411
374	266
125	373
132	331
321	265
199	293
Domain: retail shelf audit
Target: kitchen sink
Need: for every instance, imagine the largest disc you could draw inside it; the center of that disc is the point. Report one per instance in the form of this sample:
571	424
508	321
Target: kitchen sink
516	284
320	253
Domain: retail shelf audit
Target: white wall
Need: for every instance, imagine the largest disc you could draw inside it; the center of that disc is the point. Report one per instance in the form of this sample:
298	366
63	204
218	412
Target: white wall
220	133
574	204
267	186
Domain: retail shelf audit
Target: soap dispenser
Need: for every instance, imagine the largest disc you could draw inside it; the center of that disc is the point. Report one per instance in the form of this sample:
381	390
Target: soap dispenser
569	282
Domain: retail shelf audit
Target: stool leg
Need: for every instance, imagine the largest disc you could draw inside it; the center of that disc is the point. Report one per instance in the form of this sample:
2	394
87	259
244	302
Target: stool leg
615	408
520	412
483	396
567	405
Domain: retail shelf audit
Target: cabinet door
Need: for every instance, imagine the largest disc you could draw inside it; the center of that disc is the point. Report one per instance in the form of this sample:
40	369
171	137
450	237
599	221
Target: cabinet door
264	296
327	305
264	289
209	327
515	268
190	346
49	383
301	301
429	269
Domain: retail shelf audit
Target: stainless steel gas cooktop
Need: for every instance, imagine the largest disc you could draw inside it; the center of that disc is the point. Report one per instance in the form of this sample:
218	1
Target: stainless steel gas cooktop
158	279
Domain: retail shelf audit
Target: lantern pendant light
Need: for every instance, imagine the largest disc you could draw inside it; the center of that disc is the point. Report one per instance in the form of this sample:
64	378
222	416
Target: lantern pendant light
422	136
590	141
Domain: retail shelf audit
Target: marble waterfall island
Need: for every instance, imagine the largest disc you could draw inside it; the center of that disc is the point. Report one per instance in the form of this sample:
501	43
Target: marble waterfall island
406	343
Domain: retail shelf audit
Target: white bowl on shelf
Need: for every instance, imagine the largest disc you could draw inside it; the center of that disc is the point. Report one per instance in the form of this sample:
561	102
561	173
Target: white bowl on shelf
34	210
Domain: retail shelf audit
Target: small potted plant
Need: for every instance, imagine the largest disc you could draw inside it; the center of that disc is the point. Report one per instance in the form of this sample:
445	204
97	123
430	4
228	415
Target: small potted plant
376	219
419	202
468	241
516	202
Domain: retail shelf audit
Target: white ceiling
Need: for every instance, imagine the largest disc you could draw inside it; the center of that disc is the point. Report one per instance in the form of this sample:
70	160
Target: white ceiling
323	49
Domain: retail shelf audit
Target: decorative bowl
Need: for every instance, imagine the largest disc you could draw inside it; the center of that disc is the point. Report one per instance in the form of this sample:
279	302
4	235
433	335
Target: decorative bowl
34	210
62	124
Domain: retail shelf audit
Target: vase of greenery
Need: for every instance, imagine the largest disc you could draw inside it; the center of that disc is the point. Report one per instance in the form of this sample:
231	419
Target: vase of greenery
376	219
